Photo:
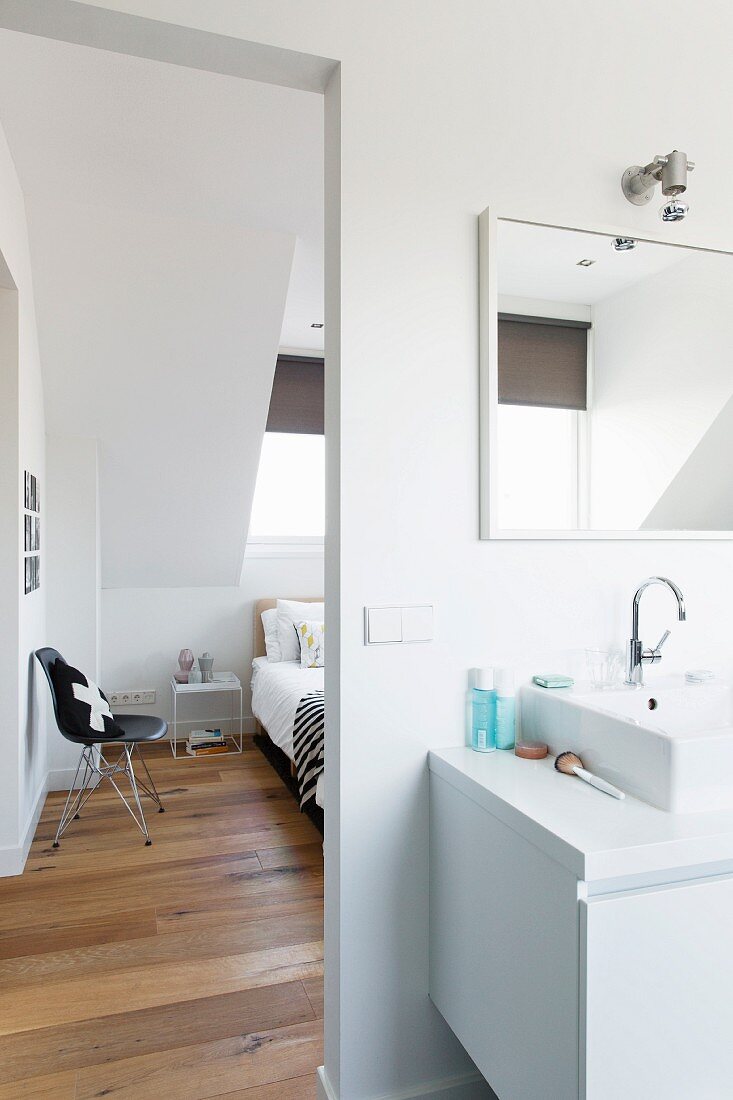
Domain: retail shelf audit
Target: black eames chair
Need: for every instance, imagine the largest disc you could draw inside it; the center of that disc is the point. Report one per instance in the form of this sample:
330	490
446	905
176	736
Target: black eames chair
93	765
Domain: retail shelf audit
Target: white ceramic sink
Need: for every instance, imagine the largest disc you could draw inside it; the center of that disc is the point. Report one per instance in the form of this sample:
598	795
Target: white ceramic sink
669	743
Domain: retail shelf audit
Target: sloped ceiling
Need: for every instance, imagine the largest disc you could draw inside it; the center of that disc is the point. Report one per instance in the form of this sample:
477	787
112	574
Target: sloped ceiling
176	235
162	342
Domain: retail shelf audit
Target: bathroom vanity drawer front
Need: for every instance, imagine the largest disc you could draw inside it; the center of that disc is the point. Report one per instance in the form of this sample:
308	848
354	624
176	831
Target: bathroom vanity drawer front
657	986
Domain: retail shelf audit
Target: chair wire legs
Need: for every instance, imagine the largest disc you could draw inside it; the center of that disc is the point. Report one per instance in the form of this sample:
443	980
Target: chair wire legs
93	767
151	791
71	808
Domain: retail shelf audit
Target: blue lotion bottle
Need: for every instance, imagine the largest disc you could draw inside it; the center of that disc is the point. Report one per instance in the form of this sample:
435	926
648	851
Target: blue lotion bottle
505	709
483	711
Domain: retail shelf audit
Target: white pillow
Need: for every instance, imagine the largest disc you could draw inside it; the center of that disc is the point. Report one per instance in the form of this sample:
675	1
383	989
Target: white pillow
311	637
272	639
290	612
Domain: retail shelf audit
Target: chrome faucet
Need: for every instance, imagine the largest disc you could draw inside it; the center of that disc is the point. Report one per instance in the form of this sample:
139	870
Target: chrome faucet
636	655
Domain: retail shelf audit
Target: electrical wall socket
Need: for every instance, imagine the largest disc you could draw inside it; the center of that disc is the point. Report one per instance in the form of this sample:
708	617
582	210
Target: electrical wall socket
131	698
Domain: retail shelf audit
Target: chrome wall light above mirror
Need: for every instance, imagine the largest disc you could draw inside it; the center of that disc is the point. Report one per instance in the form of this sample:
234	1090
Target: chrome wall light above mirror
671	171
606	385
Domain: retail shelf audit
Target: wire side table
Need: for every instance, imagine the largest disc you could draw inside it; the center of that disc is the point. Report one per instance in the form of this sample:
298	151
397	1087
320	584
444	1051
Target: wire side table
230	686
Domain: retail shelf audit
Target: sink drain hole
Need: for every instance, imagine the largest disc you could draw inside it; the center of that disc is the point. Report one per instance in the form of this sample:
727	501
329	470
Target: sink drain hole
652	704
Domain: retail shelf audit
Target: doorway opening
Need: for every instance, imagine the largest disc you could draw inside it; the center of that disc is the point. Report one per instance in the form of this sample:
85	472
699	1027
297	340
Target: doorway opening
221	866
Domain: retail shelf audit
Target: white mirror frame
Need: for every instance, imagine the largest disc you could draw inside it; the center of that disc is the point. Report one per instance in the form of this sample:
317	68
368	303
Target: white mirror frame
489	388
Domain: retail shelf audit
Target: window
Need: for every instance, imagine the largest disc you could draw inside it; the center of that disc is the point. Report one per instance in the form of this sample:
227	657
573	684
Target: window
288	510
289	501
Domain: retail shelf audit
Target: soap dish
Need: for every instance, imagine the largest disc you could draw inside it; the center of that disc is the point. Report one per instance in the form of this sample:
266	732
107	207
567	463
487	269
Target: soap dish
553	680
699	675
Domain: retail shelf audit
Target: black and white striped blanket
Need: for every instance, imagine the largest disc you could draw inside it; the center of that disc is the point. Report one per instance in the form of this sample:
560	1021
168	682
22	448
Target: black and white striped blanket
308	743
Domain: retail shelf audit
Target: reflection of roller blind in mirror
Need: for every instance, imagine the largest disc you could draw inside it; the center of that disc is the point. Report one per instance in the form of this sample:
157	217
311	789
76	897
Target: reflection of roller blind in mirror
296	404
543	362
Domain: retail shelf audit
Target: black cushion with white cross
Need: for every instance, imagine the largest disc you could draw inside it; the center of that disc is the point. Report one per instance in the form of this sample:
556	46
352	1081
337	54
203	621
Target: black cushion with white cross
83	709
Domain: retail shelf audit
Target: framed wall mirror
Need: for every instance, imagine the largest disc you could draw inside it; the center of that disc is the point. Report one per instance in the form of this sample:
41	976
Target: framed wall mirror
606	385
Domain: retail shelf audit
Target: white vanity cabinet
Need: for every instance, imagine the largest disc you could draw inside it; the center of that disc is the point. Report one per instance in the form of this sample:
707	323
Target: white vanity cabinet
579	947
657	980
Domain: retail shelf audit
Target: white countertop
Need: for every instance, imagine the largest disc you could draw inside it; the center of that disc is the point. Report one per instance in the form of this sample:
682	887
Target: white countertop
593	835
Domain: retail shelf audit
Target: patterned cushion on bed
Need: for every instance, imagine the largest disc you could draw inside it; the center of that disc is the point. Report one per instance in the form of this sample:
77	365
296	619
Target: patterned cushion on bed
312	644
290	612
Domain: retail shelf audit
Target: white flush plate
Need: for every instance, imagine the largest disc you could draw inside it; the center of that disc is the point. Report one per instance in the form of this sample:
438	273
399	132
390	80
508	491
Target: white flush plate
417	623
384	625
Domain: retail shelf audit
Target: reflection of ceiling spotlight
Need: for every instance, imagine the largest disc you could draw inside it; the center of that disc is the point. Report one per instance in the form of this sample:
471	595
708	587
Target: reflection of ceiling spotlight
671	171
624	244
585	263
673	211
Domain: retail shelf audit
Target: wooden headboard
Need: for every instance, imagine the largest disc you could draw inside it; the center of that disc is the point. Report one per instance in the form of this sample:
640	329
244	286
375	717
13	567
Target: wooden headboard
265	605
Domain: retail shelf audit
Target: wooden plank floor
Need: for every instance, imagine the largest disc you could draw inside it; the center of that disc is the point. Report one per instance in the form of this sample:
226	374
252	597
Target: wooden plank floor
190	969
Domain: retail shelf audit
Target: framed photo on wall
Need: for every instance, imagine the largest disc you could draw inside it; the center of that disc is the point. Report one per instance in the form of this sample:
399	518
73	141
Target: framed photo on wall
31	532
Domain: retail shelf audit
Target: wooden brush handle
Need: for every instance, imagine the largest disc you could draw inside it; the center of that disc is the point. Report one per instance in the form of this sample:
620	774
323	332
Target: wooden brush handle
599	784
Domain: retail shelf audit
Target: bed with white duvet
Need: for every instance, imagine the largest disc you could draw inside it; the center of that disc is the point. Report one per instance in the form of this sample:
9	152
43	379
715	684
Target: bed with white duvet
277	688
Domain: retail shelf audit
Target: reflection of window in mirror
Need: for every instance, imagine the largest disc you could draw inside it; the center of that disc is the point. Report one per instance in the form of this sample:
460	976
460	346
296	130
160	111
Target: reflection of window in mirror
543	401
532	498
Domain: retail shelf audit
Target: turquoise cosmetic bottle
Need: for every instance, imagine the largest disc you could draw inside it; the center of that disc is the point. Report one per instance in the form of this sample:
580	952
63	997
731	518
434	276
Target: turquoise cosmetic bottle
483	711
505	709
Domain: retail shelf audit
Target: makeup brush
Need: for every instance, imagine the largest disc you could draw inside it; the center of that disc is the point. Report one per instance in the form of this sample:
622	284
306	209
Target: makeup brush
570	764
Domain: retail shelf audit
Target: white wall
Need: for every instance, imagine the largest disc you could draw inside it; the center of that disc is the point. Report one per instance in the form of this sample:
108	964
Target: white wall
144	629
72	575
22	700
447	109
698	497
661	376
9	558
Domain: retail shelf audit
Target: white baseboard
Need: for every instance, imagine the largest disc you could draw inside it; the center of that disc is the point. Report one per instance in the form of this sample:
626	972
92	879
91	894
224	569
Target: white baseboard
12	860
468	1086
60	779
323	1085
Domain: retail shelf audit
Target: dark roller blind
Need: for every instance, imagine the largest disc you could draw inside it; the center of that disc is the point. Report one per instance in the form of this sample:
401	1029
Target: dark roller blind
296	403
543	362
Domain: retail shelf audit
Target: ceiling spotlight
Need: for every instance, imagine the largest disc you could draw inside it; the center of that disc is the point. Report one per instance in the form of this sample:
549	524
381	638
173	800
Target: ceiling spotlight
673	211
638	183
585	263
317	324
623	244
